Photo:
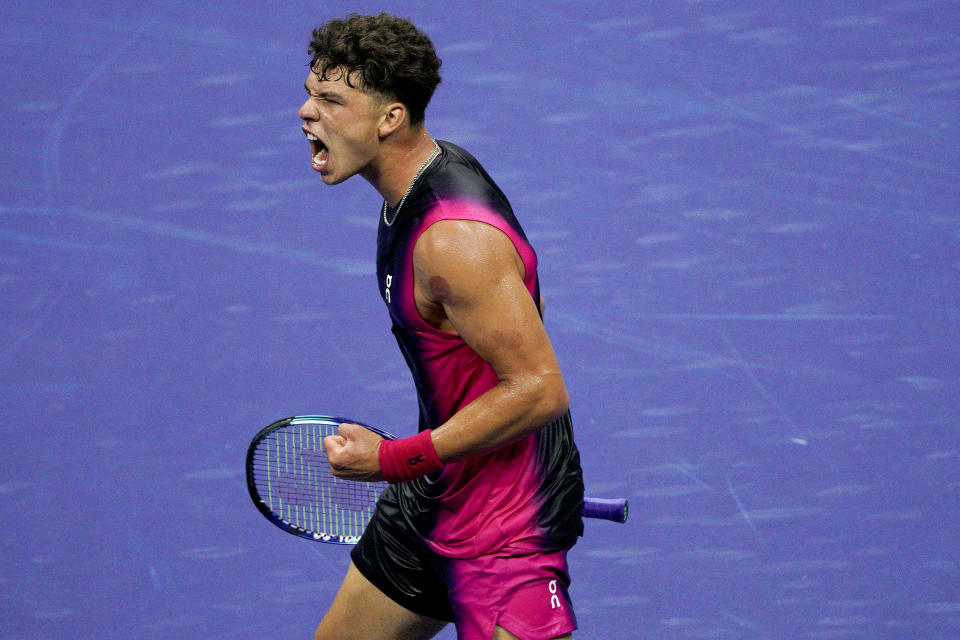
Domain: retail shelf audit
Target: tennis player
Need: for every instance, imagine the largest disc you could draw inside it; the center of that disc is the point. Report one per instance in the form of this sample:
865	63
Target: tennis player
485	501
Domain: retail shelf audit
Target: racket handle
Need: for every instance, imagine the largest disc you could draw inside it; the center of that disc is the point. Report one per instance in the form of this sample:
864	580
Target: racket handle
613	509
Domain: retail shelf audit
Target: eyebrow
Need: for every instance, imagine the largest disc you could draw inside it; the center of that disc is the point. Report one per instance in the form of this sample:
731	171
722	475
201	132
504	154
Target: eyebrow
322	94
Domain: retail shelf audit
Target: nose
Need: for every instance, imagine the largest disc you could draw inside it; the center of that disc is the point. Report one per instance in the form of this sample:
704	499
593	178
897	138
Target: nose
307	111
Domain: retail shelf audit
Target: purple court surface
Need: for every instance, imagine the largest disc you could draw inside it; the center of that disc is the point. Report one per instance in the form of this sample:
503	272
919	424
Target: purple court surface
748	220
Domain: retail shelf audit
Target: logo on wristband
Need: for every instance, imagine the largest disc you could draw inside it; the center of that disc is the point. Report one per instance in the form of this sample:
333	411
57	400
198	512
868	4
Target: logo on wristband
408	458
415	460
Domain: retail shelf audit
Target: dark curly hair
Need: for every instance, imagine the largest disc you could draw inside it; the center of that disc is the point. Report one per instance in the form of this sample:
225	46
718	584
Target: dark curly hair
384	55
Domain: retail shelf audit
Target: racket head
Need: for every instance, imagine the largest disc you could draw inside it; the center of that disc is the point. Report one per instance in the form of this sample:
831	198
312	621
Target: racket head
290	482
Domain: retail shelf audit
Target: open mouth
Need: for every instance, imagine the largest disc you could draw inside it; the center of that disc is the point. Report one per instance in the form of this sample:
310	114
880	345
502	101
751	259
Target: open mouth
319	155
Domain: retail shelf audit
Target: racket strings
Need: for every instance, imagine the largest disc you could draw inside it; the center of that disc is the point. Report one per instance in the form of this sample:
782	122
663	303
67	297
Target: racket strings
292	476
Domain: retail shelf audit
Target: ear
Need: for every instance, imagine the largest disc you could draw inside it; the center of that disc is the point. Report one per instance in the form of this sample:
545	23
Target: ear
392	117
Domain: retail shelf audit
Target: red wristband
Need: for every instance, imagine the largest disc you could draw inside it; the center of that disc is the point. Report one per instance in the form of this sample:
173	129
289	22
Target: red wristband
408	458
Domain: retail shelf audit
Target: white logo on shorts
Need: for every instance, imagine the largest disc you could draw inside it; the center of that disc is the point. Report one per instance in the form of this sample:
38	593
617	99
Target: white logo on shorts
554	598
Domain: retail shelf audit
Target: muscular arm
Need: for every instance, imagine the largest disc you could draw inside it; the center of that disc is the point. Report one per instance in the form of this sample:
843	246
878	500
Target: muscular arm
468	279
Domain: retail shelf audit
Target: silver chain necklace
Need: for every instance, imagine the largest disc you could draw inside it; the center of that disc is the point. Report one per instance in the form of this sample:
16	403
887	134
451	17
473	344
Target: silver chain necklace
423	167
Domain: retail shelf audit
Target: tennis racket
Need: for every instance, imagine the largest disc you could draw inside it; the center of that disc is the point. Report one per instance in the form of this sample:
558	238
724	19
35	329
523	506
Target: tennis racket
291	484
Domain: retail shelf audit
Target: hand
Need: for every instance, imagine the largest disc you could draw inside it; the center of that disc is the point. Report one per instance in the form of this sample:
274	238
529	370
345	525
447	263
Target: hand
353	453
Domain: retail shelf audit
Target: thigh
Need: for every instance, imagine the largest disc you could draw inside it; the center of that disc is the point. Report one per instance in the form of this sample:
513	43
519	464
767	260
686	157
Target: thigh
361	611
499	633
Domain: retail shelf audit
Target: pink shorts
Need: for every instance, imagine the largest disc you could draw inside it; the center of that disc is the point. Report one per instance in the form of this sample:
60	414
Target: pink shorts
524	594
521	590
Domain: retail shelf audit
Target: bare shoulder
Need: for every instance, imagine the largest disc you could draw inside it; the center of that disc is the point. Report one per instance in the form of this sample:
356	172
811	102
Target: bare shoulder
465	248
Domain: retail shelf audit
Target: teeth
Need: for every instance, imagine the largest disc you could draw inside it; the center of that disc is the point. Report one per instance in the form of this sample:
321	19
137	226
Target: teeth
312	138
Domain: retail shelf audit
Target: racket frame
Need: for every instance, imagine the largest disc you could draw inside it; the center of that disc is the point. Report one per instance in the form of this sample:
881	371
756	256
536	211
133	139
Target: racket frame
261	503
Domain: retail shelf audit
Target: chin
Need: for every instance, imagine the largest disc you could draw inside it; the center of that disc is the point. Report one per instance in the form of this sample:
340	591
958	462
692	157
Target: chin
331	179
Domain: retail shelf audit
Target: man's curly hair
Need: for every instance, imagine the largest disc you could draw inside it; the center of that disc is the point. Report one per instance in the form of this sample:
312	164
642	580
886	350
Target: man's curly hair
382	55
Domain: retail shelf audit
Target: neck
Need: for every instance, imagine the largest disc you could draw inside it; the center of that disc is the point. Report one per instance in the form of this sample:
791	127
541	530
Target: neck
399	162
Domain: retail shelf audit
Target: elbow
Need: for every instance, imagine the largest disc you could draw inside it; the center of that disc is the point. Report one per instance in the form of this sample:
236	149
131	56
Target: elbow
540	399
554	399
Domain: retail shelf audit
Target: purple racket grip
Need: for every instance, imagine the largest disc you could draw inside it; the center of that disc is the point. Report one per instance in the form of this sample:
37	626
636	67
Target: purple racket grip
613	509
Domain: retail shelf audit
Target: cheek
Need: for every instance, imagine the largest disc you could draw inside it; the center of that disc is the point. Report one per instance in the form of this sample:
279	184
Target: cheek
330	124
341	131
361	125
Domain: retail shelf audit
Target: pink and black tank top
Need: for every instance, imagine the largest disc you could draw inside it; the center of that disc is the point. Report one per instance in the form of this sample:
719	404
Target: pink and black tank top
527	495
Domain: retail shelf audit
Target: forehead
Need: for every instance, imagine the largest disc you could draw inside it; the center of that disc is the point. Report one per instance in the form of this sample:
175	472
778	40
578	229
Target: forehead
335	79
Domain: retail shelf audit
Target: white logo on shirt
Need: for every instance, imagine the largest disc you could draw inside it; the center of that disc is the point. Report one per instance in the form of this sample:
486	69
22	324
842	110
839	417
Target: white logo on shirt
386	291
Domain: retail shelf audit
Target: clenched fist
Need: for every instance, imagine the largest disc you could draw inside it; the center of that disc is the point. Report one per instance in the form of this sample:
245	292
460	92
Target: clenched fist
353	453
